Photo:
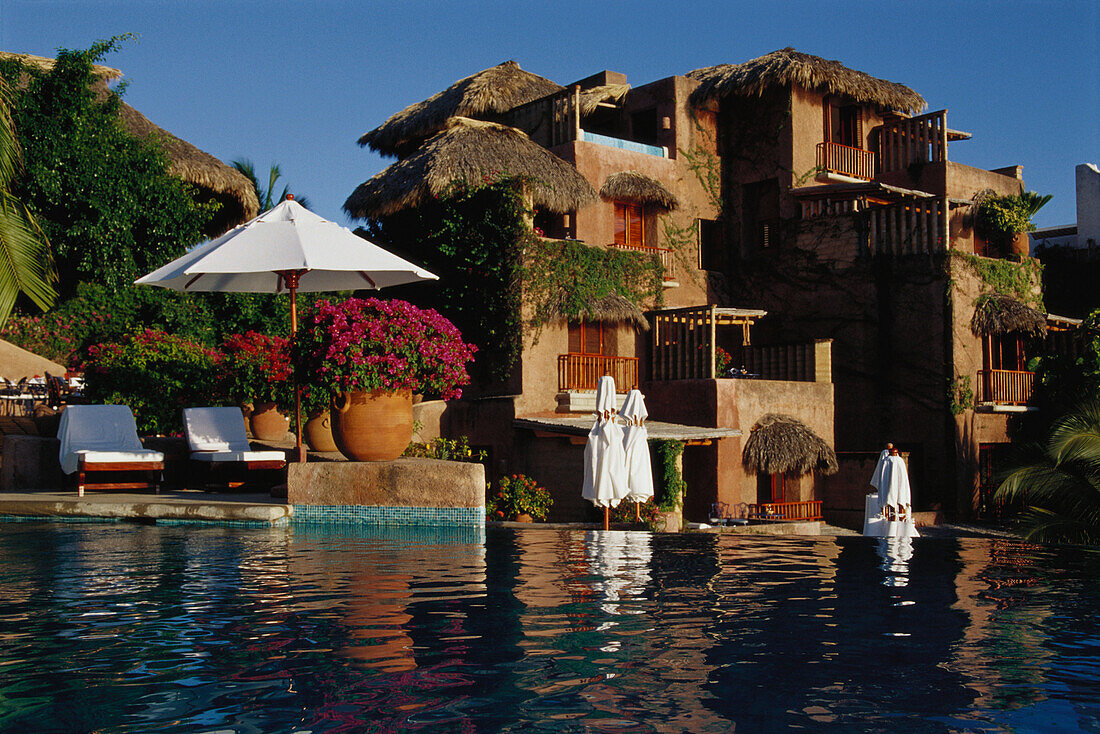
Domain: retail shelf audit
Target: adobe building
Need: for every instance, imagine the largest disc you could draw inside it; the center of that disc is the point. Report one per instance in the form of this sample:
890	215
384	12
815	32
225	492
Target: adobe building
805	217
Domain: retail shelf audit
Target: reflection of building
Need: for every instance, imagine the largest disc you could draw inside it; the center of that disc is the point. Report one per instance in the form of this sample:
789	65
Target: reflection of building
789	195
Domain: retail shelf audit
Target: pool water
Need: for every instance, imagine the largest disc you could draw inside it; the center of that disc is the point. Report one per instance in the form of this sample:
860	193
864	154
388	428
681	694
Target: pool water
128	628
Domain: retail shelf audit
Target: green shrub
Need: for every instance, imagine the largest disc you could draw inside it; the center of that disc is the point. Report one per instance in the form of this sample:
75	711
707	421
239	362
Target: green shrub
518	494
156	374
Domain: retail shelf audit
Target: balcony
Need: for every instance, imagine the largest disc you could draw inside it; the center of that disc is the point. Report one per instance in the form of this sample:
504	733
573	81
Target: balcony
843	160
1005	387
785	511
583	371
663	254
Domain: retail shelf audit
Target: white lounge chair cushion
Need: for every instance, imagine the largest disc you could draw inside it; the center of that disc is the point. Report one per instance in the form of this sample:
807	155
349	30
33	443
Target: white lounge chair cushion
218	456
215	429
96	428
116	457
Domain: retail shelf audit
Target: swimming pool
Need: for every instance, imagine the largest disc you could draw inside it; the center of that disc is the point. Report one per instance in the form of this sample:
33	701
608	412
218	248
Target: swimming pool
129	628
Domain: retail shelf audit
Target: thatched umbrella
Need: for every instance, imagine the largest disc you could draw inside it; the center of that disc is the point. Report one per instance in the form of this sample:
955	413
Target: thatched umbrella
639	188
487	93
17	363
787	66
781	444
469	150
222	182
593	97
995	314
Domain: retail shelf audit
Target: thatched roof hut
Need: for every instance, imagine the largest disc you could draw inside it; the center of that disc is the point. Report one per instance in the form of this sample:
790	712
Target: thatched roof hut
486	94
468	150
222	182
781	444
999	314
787	66
639	188
612	309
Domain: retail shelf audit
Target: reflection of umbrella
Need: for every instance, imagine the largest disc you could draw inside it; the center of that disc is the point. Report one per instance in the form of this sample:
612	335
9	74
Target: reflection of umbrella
639	471
604	456
895	554
287	247
621	560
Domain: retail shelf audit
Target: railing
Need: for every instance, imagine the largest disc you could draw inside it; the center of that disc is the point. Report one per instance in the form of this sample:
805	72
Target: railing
921	139
846	160
808	510
1006	387
583	371
909	227
793	362
663	254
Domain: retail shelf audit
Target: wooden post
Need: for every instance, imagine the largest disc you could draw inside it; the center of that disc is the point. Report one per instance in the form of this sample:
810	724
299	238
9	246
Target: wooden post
606	518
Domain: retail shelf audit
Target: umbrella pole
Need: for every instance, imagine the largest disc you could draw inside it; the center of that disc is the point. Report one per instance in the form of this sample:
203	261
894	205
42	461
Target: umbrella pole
606	518
292	284
638	512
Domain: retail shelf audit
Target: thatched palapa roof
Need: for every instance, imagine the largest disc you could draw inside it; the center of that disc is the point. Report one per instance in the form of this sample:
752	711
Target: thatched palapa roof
228	185
469	150
1000	314
593	97
781	444
639	188
787	66
489	92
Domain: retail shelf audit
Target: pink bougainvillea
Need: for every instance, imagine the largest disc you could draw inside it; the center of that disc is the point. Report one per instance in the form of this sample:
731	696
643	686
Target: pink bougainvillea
370	344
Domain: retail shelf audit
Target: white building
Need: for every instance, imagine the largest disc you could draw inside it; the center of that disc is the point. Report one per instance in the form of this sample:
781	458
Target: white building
1084	234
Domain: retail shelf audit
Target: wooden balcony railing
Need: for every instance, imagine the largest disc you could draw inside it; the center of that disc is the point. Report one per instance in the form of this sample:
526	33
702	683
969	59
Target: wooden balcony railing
808	510
846	160
663	254
583	371
921	139
1005	387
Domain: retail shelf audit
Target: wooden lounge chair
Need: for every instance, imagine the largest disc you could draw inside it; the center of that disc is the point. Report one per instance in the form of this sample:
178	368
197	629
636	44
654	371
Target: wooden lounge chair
219	444
102	441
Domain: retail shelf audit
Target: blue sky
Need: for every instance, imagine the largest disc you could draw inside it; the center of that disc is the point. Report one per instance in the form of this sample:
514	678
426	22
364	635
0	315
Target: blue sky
298	83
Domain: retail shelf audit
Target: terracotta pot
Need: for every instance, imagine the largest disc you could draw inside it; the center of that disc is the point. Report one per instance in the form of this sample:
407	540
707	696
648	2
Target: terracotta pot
524	517
372	426
318	432
268	424
1020	245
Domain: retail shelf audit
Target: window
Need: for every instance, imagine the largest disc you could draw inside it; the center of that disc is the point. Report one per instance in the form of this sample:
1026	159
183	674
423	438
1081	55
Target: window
771	488
843	123
1004	352
760	216
644	127
635	225
586	337
712	245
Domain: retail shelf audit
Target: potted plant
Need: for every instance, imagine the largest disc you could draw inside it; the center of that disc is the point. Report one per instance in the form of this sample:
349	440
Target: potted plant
370	355
1004	221
318	426
256	368
519	498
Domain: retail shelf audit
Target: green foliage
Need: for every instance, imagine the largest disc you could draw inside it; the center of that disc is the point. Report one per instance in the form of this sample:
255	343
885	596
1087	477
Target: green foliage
1008	278
516	495
25	262
1057	493
1068	380
562	278
960	394
473	237
104	198
97	313
156	374
670	482
999	218
628	512
446	449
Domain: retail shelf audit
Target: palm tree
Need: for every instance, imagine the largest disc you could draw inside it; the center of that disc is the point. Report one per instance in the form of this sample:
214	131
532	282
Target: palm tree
1060	491
266	196
25	263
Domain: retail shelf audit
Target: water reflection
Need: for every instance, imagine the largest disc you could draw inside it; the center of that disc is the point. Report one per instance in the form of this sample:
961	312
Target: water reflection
126	628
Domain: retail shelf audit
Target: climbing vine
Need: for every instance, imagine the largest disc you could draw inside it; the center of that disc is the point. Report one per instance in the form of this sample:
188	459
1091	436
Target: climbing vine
960	394
670	482
1006	277
562	278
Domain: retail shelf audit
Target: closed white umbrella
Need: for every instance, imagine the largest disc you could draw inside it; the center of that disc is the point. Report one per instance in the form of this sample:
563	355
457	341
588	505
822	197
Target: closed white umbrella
896	501
605	481
639	469
286	248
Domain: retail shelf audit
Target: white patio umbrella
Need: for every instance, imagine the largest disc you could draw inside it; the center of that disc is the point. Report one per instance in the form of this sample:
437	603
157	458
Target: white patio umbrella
895	519
605	481
287	248
639	469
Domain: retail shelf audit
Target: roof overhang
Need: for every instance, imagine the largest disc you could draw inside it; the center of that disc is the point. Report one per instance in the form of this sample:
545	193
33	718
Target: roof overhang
1061	323
579	426
865	189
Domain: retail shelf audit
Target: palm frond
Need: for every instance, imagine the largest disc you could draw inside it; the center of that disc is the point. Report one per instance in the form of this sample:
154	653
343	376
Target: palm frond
25	263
